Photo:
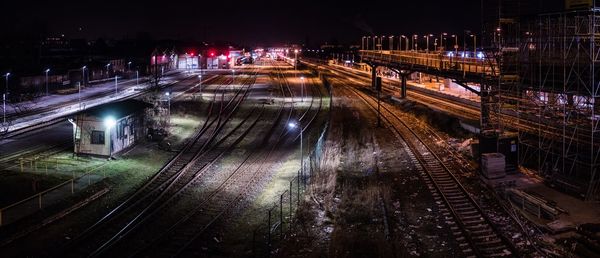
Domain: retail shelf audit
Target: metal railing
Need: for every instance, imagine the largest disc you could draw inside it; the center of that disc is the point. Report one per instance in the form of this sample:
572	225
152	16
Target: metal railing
441	61
280	217
51	196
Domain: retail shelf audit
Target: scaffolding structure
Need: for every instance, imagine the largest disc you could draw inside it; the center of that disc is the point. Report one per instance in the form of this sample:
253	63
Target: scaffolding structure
548	86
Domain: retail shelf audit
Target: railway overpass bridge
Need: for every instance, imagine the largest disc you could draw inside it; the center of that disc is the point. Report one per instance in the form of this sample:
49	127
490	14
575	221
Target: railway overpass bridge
457	66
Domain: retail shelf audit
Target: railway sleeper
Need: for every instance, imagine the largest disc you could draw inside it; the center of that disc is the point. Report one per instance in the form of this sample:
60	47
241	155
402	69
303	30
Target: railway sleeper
471	217
487	237
444	180
454	194
484	231
492	242
492	249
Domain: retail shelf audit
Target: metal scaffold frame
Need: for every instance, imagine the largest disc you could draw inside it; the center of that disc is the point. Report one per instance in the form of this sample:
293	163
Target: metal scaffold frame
555	96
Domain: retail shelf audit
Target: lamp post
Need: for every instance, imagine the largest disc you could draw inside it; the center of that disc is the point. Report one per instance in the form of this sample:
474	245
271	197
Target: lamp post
443	40
168	94
295	58
200	85
4	108
374	42
302	87
129	66
362	43
47	71
110	122
455	44
116	85
391	46
137	77
6	83
293	126
368	40
416	43
4	98
474	44
82	81
107	72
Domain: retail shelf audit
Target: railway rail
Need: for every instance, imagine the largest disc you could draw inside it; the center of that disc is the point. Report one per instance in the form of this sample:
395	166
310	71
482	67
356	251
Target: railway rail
474	231
218	203
108	229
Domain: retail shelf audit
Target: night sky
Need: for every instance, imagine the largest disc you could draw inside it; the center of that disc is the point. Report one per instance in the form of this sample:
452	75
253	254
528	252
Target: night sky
245	22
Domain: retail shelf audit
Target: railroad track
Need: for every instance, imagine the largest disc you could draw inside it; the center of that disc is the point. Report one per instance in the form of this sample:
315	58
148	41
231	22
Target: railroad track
188	174
129	211
216	203
526	123
475	233
162	216
55	121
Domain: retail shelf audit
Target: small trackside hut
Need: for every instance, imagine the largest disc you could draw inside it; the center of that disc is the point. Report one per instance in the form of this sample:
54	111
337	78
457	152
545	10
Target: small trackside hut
108	129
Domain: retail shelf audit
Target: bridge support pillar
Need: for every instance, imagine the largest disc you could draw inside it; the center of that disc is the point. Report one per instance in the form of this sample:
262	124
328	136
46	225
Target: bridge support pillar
403	78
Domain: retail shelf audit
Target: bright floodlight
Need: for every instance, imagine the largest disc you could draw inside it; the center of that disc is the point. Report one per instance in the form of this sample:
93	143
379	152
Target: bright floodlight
84	67
167	93
302	78
296	51
47	70
7	74
292	125
110	121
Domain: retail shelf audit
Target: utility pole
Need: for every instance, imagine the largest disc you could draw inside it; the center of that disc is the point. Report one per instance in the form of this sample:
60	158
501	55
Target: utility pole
46	71
378	88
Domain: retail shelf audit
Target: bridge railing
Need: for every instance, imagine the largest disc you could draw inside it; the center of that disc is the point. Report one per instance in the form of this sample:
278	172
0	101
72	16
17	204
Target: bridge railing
442	61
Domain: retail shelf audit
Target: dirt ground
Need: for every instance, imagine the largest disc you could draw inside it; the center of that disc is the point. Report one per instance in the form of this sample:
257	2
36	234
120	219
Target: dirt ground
367	203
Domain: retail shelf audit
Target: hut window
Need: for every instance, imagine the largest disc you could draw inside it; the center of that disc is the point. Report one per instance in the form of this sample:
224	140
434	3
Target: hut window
97	137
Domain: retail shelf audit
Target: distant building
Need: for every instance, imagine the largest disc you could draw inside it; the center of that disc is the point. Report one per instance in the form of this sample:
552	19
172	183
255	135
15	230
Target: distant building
109	129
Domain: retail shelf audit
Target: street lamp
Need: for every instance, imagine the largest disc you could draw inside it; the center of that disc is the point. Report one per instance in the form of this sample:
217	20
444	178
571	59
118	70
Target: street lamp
107	72
295	58
110	122
455	44
6	85
4	107
129	66
82	81
168	94
443	40
406	43
362	43
137	77
200	86
368	41
116	85
416	43
302	87
474	44
374	42
427	37
391	46
293	126
47	71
